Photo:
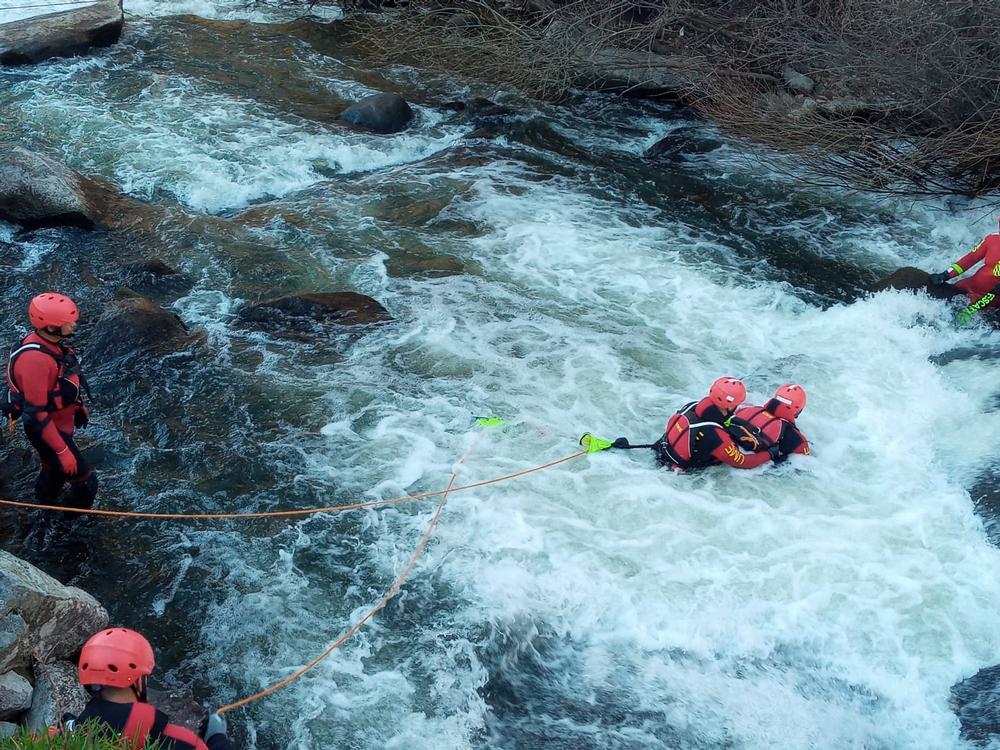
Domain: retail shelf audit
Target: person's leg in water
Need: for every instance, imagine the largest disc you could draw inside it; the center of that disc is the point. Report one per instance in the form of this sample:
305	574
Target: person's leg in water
51	480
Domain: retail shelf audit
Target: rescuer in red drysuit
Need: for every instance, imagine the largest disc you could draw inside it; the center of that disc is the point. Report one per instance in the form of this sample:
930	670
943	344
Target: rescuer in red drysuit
114	667
44	389
985	280
696	436
758	428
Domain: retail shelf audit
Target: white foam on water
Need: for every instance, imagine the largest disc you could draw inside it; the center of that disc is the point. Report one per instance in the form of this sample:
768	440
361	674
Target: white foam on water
859	571
274	11
212	152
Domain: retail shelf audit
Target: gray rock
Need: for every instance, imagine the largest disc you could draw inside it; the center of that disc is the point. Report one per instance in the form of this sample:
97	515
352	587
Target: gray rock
36	191
12	631
63	34
381	113
57	692
59	618
341	308
7	729
797	82
636	72
15	695
180	706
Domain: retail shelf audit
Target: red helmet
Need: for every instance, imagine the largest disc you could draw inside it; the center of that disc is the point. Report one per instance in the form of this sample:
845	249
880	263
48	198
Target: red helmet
727	393
116	657
52	310
790	401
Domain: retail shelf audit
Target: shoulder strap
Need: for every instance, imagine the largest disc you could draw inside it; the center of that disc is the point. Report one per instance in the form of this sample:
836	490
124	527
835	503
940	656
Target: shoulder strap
21	350
140	723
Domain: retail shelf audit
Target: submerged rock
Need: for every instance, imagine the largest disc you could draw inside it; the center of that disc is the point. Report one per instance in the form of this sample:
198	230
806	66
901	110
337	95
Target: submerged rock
340	308
36	191
42	618
62	34
913	279
154	277
135	324
381	113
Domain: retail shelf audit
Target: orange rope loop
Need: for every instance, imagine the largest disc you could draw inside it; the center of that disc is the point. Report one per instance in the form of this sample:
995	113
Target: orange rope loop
393	590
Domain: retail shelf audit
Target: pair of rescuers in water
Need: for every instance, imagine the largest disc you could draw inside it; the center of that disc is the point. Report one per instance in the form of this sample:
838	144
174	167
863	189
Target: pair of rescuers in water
45	389
721	429
115	665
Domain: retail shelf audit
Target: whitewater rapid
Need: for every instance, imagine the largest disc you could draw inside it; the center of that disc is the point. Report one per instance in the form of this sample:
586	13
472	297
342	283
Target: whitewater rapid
828	603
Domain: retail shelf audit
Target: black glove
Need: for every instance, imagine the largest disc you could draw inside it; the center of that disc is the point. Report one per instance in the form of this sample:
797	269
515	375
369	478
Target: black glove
213	724
774	452
938	278
82	417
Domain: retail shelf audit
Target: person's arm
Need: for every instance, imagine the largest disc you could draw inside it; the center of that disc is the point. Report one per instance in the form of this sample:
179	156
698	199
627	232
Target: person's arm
970	259
35	374
729	454
793	441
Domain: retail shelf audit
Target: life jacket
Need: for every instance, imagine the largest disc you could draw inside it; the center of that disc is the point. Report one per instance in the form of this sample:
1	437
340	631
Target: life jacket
688	444
65	392
754	429
144	722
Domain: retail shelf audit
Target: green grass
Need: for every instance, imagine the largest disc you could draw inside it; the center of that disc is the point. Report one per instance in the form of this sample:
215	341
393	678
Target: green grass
90	737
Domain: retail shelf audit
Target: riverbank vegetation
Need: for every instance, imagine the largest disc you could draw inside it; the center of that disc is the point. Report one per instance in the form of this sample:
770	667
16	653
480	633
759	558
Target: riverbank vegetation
892	96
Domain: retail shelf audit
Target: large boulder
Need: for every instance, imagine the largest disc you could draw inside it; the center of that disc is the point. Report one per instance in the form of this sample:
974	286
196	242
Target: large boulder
41	618
36	191
57	691
340	308
133	324
62	34
381	113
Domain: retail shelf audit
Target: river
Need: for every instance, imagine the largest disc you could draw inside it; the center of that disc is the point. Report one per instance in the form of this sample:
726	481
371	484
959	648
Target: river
545	271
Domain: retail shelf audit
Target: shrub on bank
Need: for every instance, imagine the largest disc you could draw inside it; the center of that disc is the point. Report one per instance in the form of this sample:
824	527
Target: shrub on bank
894	96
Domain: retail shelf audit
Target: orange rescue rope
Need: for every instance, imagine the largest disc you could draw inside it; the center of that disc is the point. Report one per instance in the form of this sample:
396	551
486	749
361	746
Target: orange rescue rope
286	513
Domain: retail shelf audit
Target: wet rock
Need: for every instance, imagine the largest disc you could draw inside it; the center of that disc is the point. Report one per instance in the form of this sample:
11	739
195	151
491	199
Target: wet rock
63	34
340	308
681	142
381	113
36	191
12	629
180	706
15	695
58	618
797	82
7	729
57	691
134	324
432	267
913	279
154	277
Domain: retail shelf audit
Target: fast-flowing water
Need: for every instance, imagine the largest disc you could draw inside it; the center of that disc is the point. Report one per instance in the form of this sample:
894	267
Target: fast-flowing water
547	273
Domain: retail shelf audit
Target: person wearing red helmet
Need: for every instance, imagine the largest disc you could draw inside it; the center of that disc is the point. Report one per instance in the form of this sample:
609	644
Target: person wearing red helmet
760	428
983	281
114	667
44	389
696	436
